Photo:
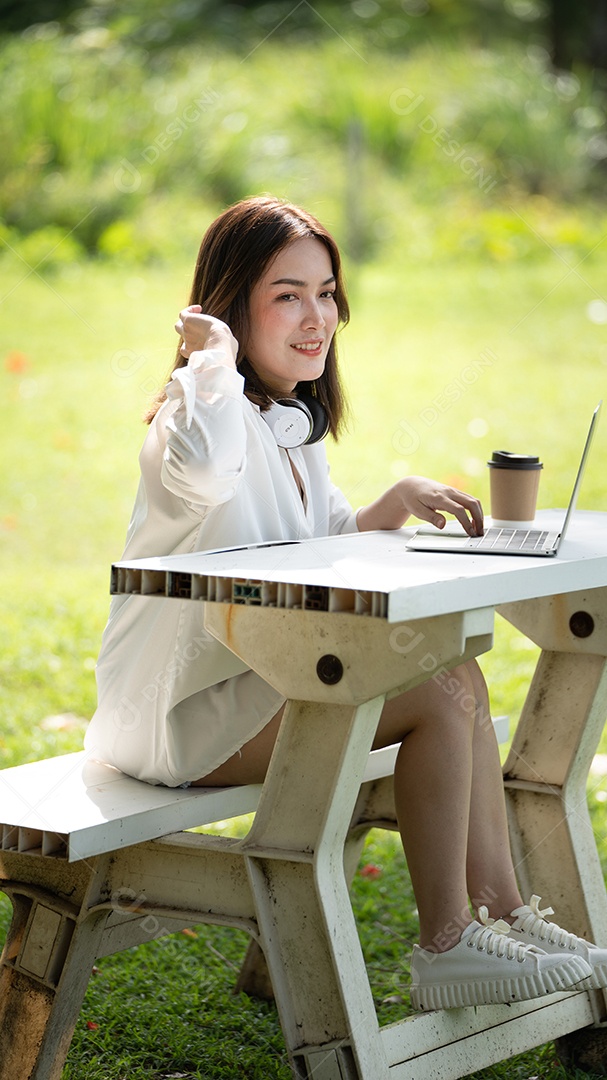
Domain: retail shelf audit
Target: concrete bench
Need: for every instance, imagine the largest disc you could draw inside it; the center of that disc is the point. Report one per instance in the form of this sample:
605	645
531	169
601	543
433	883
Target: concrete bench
95	862
81	844
75	807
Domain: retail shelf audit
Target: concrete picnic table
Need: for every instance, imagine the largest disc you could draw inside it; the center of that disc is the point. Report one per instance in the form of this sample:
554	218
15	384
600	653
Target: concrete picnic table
336	624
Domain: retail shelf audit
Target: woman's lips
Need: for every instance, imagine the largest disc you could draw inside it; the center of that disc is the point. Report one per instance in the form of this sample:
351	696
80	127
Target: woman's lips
308	348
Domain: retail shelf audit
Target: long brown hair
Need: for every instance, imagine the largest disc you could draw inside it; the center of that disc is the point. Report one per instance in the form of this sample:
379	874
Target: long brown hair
235	252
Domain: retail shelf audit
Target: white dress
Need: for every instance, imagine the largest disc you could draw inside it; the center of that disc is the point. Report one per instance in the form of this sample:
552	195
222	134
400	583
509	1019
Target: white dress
173	703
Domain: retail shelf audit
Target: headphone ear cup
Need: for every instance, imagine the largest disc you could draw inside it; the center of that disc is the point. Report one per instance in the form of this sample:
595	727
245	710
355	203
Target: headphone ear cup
320	420
297	421
291	422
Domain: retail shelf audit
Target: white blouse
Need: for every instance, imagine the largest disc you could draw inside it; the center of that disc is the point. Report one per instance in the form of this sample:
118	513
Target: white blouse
173	703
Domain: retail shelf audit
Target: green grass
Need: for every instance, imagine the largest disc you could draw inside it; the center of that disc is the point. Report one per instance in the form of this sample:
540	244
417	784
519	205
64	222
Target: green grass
79	356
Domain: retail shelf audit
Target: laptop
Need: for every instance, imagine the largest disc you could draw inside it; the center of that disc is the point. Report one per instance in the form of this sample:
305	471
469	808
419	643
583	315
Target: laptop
498	540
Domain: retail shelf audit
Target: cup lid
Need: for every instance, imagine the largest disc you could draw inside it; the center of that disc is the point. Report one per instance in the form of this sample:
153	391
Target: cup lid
503	459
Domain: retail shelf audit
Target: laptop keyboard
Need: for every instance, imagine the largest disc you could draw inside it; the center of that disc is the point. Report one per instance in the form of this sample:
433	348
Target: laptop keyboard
510	539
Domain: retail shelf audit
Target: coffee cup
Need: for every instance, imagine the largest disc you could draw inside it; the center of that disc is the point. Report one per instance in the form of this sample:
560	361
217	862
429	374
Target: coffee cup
514	481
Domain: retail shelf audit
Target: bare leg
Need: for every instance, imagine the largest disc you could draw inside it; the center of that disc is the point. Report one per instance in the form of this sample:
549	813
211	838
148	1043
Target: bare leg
432	790
448	777
490	873
448	795
250	764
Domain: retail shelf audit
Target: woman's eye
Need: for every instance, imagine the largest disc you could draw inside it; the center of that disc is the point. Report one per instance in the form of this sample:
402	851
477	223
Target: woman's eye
328	294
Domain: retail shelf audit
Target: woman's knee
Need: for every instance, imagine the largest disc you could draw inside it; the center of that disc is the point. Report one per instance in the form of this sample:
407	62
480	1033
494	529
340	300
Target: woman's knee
455	697
459	690
478	681
448	698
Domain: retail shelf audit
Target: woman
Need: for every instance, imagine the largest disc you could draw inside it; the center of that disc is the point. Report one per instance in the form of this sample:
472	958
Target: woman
176	707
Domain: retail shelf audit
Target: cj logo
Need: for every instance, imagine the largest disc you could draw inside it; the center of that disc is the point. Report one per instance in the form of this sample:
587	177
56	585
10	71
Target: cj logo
127	178
127	717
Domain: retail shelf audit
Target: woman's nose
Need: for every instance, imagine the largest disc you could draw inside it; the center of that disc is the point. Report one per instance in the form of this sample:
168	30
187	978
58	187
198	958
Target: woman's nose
313	317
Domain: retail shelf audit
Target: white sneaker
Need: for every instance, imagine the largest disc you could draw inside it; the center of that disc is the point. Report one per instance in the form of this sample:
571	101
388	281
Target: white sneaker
488	967
532	928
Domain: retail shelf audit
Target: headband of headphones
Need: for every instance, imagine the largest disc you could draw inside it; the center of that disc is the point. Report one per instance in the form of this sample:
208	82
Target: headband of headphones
297	421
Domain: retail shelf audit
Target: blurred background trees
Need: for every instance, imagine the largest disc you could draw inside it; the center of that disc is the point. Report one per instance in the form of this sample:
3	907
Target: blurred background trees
572	32
126	123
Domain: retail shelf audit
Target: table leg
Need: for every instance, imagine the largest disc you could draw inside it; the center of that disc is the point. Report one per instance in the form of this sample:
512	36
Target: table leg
295	857
374	809
545	776
556	739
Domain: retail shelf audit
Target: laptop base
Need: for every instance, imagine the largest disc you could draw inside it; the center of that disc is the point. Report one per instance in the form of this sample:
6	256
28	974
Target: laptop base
495	541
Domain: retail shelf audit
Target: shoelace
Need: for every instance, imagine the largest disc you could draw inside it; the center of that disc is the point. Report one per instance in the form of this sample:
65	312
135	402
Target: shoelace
493	938
537	924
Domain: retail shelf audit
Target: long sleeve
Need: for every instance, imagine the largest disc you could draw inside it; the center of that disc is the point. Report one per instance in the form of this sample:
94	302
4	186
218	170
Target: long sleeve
205	451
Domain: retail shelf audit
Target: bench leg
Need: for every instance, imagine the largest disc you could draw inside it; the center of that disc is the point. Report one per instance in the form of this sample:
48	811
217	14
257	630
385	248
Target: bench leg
44	972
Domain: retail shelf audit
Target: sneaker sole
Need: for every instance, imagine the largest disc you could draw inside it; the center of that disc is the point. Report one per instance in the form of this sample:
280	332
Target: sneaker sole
596	981
500	991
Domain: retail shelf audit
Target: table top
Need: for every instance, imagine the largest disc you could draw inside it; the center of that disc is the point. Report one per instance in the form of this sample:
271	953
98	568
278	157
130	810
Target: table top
374	573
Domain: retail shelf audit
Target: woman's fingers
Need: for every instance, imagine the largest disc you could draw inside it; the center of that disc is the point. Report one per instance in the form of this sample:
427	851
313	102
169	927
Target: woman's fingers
432	501
194	329
199	331
193	309
465	508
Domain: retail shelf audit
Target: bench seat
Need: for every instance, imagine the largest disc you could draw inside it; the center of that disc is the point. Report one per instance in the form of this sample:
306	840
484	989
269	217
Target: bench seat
75	807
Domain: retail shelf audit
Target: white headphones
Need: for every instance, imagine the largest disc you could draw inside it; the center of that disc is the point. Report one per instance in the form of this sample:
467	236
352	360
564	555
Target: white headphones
297	421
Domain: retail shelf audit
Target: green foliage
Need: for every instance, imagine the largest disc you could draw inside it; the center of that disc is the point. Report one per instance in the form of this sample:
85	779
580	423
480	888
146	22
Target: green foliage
109	136
158	24
46	249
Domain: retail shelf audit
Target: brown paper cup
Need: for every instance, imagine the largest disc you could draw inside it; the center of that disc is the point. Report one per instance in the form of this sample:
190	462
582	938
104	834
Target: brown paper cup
514	481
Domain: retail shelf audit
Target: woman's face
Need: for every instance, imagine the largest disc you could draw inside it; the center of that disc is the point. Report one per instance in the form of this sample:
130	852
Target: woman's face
293	316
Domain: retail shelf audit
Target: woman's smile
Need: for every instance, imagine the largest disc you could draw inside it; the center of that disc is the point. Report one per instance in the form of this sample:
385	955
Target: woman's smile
311	347
293	316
